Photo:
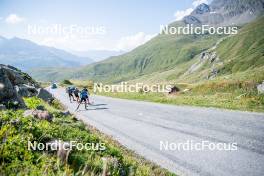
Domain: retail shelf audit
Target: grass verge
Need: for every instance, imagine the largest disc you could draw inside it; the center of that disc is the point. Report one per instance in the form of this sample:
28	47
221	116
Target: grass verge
227	94
17	159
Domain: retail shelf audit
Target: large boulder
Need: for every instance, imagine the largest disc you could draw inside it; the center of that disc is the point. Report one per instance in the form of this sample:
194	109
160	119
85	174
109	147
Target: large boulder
17	77
26	90
8	94
14	84
44	94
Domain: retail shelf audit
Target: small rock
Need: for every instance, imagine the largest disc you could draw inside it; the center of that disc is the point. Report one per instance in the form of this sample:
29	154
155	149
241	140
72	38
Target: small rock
213	73
50	100
65	113
174	89
260	88
15	121
28	113
43	115
63	149
74	119
2	107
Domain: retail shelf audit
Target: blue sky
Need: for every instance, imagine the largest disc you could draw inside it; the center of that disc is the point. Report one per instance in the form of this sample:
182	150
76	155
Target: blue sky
126	23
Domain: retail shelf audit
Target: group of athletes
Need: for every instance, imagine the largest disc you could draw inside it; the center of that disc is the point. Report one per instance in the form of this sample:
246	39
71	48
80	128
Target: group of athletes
79	96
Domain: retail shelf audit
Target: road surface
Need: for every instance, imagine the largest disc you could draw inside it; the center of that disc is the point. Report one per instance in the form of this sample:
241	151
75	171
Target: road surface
172	136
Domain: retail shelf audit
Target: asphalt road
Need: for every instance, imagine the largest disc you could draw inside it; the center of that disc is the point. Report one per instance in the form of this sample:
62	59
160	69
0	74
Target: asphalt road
233	141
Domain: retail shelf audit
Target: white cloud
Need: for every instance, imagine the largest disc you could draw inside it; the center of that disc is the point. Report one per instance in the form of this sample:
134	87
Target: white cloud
72	43
14	19
182	13
126	43
130	42
198	2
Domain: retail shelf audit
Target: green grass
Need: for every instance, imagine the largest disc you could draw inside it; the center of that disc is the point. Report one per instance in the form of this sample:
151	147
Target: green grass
16	159
83	83
243	51
166	58
162	53
242	69
227	94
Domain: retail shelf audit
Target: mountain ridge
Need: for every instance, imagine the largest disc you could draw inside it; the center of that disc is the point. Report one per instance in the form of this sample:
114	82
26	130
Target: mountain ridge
226	12
97	55
25	54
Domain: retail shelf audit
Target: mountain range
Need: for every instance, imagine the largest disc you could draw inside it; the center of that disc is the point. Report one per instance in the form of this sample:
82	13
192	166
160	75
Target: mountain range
97	55
26	55
187	58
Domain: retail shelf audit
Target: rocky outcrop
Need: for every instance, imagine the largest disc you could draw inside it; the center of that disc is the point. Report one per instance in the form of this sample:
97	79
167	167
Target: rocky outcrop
210	58
205	57
8	93
25	90
213	73
226	12
15	84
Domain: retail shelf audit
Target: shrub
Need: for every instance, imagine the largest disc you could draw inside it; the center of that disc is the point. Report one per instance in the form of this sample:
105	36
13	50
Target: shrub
67	82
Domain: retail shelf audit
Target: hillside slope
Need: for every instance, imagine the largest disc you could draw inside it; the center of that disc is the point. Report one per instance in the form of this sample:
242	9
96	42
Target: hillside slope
235	57
162	53
241	54
168	58
188	58
245	50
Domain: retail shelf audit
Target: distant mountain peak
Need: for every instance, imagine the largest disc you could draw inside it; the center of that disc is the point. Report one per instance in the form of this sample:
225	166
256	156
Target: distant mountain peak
226	12
201	9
